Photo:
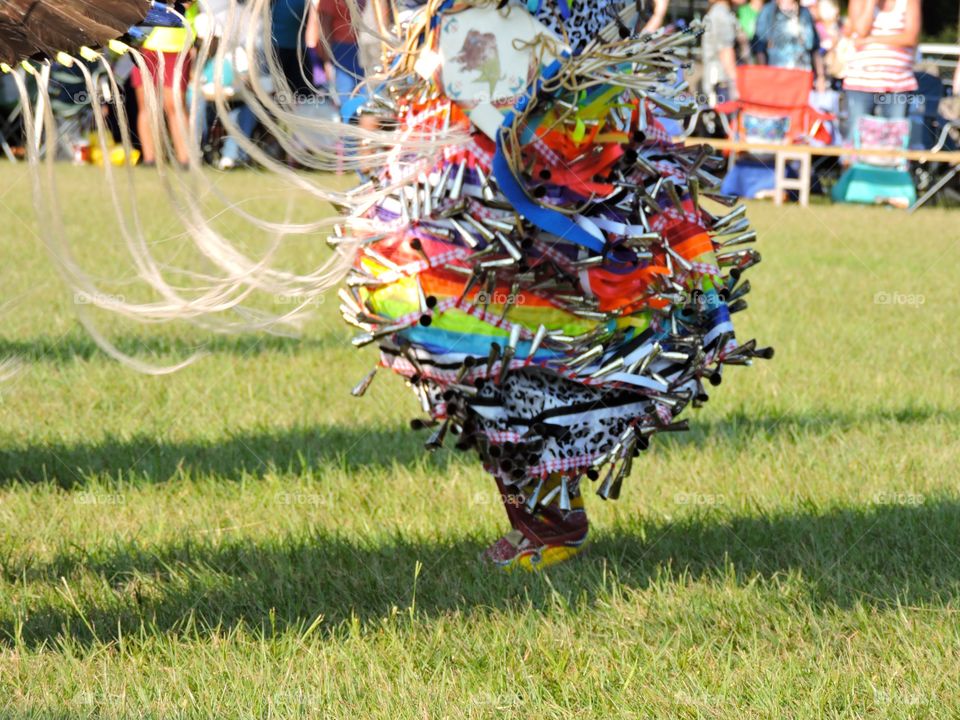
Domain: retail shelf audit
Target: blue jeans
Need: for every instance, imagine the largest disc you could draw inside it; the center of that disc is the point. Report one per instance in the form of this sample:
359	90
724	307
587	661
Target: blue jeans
348	75
247	122
893	106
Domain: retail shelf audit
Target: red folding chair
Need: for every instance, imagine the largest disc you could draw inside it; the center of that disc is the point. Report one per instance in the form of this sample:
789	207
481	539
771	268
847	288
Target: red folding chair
774	106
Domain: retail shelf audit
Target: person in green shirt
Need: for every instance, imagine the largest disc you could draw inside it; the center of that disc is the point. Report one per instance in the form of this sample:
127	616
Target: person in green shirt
747	13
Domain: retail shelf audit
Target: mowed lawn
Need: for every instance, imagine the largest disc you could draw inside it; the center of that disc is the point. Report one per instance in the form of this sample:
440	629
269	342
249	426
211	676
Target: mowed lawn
243	539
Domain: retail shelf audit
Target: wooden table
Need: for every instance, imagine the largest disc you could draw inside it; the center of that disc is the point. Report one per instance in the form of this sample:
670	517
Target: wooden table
803	154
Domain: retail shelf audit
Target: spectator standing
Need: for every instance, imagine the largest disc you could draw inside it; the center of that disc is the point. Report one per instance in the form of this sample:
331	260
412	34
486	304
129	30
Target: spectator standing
747	14
879	74
287	24
162	48
787	38
336	26
720	29
234	71
657	15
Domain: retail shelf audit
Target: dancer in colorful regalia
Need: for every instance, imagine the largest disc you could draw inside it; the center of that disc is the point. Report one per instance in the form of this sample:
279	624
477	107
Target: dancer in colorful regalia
552	287
552	275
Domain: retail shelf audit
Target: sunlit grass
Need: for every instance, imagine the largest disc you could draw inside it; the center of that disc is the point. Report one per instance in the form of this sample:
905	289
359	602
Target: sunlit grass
244	539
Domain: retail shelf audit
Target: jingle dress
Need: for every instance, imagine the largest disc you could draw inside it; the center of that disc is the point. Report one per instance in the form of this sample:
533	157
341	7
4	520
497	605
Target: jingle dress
551	288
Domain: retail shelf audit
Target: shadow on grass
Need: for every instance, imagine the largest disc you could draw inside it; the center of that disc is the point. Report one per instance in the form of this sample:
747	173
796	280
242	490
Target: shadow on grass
148	459
879	555
243	455
76	345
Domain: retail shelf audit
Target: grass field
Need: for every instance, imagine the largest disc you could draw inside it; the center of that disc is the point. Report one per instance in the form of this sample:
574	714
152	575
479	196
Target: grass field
244	539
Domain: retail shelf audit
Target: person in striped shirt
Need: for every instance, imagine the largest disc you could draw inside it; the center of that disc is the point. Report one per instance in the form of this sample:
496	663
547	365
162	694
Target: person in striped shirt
879	77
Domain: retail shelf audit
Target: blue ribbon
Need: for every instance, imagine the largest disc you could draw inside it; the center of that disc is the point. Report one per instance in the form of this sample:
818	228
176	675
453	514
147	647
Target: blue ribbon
550	221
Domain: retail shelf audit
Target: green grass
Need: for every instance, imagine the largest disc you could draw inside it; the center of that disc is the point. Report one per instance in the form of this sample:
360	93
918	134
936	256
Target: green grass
244	539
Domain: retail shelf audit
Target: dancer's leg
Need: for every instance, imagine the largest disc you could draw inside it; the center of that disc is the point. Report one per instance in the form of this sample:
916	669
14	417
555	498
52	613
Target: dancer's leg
552	532
147	151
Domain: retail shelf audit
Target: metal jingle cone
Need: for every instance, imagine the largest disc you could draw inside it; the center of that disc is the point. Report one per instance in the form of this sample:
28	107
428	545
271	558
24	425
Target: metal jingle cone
753	258
564	503
640	366
733	258
724	220
415	213
485	232
498	263
741	290
674	196
485	189
607	369
594	352
534	498
509	352
456	209
492	357
441	187
489	290
511	300
679	426
646	166
746	349
422	298
361	387
457	187
734	228
548	498
594	261
741	239
348	299
386	262
435	441
475	279
732	279
512	250
723	199
427	197
693	187
468	390
406	349
464	234
604	491
684	263
498	224
592	314
537	341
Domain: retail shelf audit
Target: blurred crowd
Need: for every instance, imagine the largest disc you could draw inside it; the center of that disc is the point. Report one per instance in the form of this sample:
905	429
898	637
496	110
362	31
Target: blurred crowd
861	64
319	77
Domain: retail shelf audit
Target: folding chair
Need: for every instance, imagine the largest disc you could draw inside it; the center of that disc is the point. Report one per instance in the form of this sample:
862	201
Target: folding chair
781	94
876	180
950	128
773	108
